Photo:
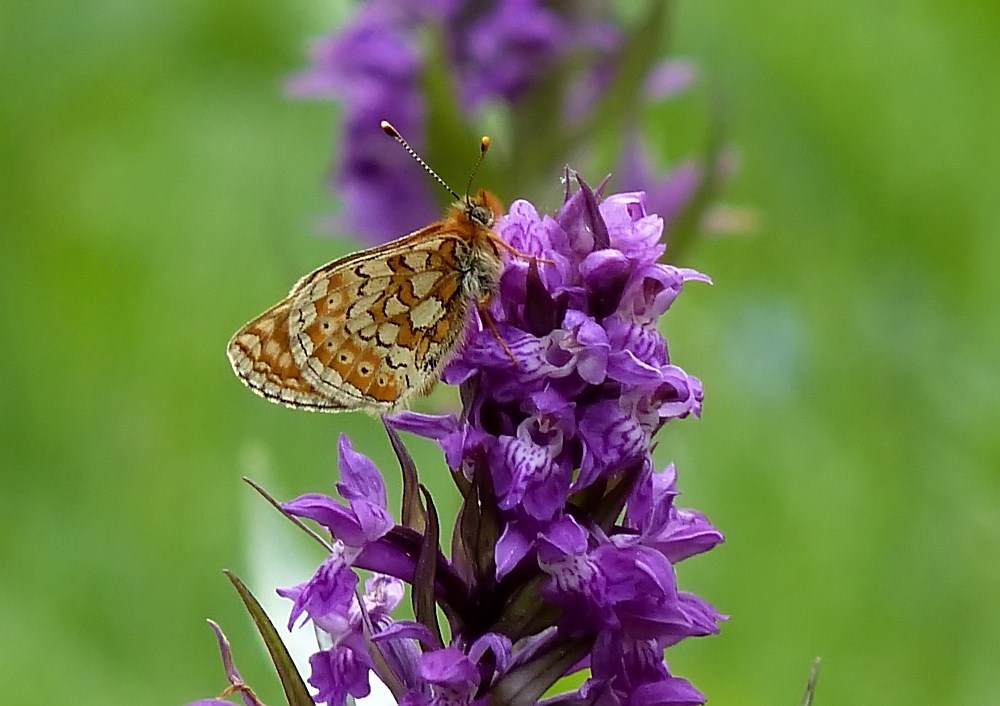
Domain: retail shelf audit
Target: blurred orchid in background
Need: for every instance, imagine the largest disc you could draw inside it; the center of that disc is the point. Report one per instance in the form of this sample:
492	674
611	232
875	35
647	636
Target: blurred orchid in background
553	82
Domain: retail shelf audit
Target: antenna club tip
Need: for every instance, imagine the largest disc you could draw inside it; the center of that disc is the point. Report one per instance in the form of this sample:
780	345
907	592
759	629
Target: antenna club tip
484	143
388	129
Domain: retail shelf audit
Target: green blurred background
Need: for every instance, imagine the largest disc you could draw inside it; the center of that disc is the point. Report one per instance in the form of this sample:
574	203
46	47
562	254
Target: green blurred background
158	189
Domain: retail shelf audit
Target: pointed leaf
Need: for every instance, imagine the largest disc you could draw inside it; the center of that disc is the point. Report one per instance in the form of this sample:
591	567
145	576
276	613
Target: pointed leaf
811	684
484	535
462	540
448	138
461	482
295	690
584	501
525	612
524	685
412	511
539	307
686	226
618	493
597	225
601	186
467	393
424	606
641	50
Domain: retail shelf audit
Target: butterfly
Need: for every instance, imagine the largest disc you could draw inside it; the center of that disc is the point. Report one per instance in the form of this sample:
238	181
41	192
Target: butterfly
374	329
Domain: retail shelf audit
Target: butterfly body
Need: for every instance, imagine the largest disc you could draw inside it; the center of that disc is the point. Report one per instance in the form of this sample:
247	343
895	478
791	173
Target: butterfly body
374	329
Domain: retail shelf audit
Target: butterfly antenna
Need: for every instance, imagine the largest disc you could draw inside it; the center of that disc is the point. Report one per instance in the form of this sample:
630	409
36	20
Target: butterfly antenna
392	132
484	144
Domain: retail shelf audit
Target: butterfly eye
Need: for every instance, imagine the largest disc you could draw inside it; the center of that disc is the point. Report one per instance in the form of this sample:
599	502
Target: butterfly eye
481	215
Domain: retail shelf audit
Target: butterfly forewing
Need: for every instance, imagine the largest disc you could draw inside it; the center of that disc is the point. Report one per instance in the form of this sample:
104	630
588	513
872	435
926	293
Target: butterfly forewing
373	330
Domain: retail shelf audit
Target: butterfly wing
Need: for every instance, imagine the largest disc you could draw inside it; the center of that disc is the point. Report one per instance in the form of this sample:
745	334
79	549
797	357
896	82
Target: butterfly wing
375	328
261	359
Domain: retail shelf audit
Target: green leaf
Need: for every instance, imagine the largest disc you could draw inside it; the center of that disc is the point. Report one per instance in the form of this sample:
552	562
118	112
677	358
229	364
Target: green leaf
464	538
413	515
524	685
486	533
424	605
295	690
448	141
641	49
686	226
807	698
525	612
608	498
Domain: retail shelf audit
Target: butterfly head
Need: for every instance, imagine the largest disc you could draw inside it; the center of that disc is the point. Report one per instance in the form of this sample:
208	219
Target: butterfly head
483	209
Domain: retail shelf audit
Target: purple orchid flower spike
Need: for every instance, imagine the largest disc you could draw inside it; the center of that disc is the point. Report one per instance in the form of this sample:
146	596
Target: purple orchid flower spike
549	453
562	557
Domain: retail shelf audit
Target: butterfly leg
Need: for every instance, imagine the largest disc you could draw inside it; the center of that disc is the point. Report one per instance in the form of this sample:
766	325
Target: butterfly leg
484	314
517	253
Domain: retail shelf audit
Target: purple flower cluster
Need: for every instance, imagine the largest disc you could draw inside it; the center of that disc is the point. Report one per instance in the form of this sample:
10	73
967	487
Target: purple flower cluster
562	555
501	50
375	67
